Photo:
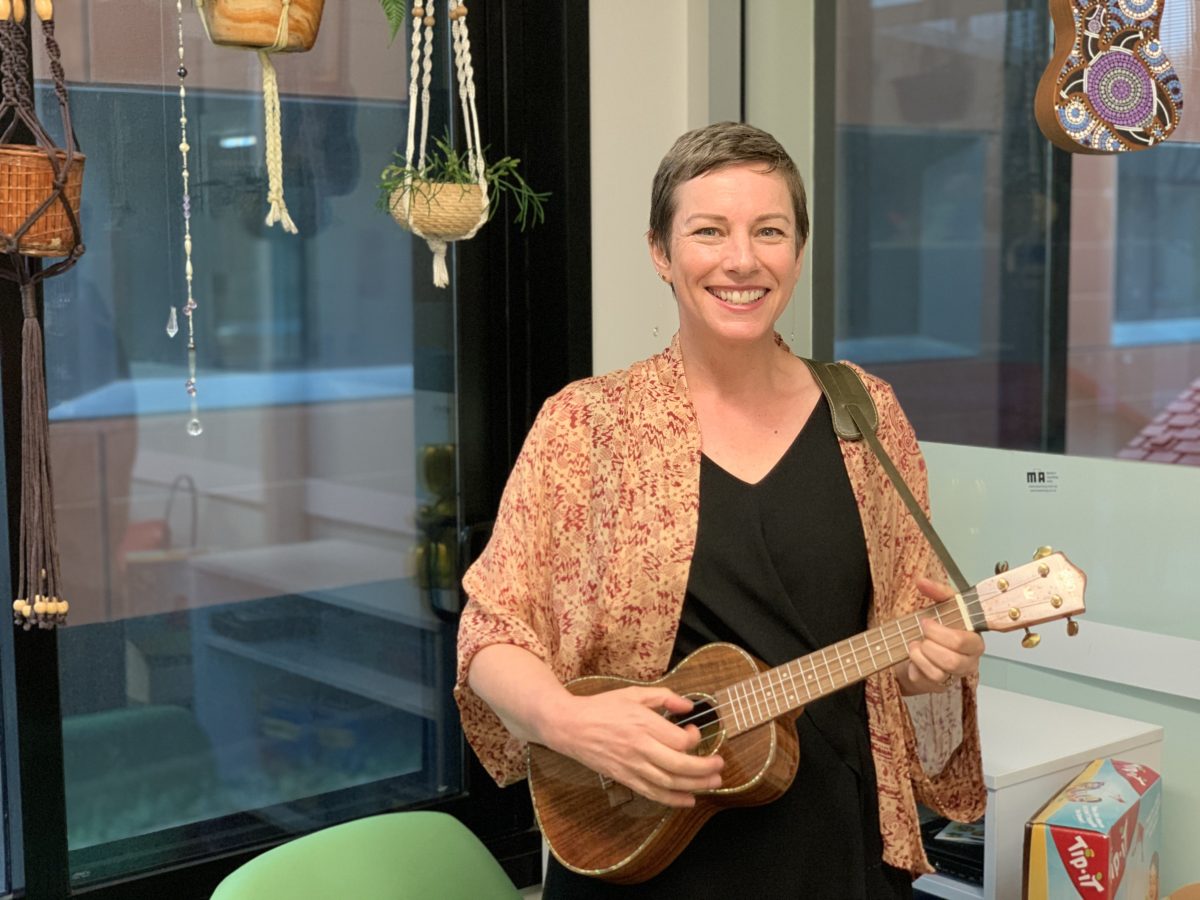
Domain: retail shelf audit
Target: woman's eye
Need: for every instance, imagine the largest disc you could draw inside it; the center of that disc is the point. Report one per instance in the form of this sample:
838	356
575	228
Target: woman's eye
707	231
772	232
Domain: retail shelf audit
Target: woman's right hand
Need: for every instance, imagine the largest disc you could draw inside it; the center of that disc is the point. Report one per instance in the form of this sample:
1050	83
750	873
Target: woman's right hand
624	735
621	734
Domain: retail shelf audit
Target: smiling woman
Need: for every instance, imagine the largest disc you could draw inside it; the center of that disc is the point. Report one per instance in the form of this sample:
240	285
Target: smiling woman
723	509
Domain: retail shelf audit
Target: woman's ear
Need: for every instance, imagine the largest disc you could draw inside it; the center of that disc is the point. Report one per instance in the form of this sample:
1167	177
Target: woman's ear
658	256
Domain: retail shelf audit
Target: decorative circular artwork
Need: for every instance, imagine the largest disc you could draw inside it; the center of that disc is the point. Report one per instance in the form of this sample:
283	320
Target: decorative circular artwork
1120	89
1109	86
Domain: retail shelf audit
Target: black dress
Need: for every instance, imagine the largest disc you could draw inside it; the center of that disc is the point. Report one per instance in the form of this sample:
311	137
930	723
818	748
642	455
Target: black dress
780	568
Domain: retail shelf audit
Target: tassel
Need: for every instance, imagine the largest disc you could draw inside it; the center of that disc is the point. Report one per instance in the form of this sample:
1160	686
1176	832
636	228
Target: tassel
37	602
274	149
441	274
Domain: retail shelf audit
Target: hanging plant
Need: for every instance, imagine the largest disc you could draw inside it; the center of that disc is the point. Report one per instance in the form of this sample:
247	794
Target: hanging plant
395	10
446	194
266	27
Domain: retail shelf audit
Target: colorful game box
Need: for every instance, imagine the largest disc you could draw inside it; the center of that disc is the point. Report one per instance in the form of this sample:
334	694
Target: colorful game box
1098	837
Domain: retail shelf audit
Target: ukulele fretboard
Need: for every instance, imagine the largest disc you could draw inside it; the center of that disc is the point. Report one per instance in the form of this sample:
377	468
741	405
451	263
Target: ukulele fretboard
754	701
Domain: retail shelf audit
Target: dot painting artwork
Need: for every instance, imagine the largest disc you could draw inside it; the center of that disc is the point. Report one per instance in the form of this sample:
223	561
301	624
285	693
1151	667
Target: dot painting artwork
1109	86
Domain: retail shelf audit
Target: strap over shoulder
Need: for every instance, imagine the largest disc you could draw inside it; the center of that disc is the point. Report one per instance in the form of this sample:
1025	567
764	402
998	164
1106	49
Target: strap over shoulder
855	418
843	388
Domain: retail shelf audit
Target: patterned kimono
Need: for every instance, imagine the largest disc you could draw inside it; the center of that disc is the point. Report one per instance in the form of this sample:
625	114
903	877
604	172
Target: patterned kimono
588	566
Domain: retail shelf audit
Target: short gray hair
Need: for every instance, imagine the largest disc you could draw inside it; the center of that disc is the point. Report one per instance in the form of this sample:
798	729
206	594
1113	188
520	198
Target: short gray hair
713	147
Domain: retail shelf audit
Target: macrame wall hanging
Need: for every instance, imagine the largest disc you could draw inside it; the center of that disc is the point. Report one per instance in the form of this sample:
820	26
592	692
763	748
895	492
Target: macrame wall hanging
40	187
440	211
266	26
1109	86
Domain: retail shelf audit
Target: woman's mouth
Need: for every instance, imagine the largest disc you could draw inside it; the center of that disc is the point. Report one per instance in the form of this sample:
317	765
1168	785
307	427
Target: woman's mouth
738	297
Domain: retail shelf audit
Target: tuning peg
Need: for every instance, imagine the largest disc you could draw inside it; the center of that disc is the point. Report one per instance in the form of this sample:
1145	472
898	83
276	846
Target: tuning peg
1030	640
1072	627
1002	566
1042	552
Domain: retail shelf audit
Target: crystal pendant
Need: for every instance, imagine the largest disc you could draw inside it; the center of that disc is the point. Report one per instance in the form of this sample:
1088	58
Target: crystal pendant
172	324
194	428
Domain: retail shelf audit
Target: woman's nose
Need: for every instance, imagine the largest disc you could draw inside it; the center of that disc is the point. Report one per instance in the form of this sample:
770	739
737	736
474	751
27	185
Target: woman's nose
739	253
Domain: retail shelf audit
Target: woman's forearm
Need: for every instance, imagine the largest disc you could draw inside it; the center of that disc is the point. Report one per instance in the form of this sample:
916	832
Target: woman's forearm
520	689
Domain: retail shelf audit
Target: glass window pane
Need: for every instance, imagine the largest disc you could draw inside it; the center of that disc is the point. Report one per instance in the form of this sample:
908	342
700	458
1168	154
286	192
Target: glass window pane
257	641
1134	339
1015	298
943	180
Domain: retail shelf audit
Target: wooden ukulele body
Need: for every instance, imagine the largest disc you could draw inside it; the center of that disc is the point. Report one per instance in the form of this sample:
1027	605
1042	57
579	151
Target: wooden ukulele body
598	827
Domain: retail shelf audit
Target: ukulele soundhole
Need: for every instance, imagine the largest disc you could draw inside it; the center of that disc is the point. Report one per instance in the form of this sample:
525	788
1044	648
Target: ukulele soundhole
704	716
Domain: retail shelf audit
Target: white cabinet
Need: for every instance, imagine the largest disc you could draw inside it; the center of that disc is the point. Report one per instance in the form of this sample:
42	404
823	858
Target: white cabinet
1031	748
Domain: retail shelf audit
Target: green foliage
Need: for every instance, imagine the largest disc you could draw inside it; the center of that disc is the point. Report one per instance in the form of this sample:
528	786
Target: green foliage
447	165
395	10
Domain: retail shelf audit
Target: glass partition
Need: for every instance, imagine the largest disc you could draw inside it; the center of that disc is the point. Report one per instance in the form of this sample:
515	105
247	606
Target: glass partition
1017	297
259	639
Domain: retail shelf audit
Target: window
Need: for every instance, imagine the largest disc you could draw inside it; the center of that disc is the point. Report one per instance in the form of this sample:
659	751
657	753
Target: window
1016	296
260	639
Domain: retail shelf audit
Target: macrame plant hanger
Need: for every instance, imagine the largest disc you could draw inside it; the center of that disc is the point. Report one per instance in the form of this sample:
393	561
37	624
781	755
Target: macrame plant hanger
285	41
40	187
441	212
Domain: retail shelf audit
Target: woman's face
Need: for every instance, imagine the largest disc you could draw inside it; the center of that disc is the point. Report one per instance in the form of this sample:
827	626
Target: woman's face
733	253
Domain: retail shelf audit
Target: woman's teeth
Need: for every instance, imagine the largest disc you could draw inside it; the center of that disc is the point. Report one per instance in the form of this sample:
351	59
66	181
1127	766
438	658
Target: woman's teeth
739	297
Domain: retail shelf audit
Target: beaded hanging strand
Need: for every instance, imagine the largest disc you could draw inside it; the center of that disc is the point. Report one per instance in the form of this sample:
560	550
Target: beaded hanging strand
194	428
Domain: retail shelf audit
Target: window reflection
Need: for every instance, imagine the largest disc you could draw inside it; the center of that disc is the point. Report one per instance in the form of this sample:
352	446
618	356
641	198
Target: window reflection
257	644
949	203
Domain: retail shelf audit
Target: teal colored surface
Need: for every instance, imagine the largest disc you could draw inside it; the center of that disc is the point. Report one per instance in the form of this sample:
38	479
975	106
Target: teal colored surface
397	856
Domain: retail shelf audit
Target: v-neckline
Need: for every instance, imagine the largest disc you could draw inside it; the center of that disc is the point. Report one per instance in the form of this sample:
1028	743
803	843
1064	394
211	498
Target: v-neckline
750	485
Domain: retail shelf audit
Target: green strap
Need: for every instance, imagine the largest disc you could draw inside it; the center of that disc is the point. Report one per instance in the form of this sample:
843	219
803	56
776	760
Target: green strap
855	418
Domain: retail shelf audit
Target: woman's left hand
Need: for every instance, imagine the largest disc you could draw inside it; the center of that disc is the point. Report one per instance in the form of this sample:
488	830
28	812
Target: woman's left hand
941	653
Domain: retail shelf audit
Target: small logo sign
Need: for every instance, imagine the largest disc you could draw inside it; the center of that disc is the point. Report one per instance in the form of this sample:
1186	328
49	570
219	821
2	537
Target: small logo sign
1041	481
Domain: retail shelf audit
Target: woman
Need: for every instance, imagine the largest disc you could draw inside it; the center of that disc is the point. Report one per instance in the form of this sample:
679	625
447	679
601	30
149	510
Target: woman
702	495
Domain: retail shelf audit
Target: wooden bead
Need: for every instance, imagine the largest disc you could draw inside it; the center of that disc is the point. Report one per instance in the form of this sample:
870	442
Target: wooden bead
429	20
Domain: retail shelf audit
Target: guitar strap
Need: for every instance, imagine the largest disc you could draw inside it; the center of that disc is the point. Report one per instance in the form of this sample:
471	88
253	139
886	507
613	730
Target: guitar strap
855	418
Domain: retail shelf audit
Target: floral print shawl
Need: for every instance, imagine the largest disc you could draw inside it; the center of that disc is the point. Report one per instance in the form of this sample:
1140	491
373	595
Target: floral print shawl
588	566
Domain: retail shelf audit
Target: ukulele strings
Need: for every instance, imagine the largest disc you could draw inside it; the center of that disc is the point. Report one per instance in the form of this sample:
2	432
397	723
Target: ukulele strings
766	692
762	691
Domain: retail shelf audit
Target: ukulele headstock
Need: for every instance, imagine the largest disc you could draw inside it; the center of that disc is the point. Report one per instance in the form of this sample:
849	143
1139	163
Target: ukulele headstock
1048	588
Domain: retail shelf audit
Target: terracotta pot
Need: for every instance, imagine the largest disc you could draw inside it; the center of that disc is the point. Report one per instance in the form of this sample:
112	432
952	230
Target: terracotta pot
255	23
26	180
439	209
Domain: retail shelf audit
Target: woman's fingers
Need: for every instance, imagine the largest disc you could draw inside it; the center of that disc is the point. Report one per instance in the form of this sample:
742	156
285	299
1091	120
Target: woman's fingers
942	652
626	736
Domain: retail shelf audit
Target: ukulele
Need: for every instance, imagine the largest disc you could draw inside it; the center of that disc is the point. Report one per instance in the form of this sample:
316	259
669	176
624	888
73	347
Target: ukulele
1109	86
746	712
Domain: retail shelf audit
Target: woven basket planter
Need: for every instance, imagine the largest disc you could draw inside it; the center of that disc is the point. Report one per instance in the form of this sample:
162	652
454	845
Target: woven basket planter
254	23
439	209
26	180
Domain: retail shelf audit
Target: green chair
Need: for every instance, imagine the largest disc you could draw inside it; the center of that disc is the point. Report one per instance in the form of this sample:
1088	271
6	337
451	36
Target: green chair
397	856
